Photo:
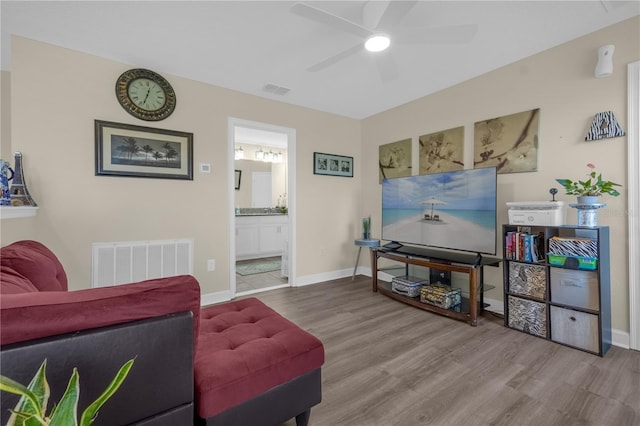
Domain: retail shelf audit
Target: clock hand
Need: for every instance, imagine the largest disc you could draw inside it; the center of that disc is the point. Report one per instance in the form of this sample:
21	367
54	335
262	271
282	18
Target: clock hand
145	98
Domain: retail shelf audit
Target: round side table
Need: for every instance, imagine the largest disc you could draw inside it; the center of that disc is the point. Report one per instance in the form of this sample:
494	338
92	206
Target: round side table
360	242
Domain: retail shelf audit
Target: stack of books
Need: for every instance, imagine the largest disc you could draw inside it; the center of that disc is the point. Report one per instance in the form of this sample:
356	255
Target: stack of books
524	247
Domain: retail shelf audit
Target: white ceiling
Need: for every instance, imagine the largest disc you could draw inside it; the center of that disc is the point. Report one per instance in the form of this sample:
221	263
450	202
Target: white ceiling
243	45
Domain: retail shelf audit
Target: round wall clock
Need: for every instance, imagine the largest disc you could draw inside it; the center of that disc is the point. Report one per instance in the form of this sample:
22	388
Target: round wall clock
145	94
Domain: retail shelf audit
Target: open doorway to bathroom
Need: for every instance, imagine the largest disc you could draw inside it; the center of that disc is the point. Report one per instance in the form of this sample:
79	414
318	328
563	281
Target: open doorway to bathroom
262	197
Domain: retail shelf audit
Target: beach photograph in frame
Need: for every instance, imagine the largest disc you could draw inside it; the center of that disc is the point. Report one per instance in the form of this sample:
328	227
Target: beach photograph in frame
441	151
508	143
395	159
332	165
137	151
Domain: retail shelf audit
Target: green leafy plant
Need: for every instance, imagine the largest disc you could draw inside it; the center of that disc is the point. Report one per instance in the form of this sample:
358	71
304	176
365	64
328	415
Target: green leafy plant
366	225
32	406
593	186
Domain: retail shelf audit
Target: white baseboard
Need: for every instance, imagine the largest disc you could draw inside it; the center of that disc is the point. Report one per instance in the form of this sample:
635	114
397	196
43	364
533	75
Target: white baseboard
620	338
212	298
325	276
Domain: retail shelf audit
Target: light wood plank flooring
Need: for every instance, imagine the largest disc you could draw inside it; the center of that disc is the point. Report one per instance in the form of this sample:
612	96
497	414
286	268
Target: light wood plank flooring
391	364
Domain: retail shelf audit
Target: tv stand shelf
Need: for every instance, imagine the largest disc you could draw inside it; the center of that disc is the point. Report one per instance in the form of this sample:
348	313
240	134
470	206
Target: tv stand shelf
472	265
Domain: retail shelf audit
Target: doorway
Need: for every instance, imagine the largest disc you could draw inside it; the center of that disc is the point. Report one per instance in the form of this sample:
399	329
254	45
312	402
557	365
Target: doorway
262	214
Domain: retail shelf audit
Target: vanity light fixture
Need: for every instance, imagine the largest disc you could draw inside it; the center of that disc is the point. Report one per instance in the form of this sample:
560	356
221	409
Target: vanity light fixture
268	156
239	153
260	154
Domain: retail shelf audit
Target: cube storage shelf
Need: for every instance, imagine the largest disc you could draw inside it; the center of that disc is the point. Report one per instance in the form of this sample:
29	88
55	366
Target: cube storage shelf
567	301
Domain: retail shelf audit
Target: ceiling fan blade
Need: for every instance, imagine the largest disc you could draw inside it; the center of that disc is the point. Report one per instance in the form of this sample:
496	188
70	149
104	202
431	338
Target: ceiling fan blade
336	58
386	66
326	18
454	34
394	13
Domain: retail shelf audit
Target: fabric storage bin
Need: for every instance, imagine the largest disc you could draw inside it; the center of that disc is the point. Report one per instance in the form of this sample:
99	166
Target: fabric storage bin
575	328
441	295
574	287
574	246
528	316
528	280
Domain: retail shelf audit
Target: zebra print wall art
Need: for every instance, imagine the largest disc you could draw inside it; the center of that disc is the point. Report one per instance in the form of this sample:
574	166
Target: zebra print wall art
604	125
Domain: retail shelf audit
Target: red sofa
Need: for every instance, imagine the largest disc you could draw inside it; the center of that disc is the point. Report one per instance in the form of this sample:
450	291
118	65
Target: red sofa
237	363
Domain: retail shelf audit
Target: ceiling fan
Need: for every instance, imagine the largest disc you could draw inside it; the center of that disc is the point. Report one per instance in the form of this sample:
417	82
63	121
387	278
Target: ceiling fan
381	19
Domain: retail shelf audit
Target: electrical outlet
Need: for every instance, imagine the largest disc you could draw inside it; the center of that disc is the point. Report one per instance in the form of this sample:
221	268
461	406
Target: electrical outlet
211	265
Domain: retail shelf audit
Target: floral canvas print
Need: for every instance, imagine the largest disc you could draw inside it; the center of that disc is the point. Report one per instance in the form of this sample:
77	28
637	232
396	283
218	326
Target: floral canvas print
395	159
442	151
510	143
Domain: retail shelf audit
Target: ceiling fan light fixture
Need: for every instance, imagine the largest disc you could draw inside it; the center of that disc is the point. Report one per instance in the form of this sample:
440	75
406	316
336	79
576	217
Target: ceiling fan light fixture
377	43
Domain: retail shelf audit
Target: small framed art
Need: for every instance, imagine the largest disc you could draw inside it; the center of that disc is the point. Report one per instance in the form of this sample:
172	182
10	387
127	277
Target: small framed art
238	178
136	151
332	165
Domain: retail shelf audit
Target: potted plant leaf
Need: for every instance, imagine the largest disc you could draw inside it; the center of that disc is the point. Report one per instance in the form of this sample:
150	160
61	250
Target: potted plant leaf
31	408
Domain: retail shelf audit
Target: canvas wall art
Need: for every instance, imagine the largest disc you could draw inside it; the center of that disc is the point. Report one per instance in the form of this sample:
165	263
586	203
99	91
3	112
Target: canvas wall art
395	159
442	151
509	143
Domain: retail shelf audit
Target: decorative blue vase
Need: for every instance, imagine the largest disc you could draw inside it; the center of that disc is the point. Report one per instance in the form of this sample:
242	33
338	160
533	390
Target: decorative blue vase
6	174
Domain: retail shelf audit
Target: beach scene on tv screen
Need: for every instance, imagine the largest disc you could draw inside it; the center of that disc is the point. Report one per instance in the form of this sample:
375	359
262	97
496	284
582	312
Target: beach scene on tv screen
454	210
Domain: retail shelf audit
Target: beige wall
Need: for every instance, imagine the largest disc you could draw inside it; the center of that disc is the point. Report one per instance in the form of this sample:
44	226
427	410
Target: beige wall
560	82
56	96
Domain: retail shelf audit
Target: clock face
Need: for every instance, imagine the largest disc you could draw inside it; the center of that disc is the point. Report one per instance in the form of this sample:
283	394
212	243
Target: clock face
145	94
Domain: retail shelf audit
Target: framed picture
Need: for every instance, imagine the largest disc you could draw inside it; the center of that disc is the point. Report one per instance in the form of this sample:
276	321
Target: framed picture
238	177
136	151
394	159
441	151
332	165
509	143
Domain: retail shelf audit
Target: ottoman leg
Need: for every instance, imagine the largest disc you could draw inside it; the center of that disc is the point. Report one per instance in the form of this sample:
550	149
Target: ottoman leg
302	419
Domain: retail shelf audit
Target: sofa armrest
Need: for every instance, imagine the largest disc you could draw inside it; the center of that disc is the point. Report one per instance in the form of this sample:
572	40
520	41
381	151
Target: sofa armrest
29	316
157	391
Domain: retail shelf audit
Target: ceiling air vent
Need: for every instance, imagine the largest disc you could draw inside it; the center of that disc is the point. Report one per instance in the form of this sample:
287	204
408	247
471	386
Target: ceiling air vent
275	89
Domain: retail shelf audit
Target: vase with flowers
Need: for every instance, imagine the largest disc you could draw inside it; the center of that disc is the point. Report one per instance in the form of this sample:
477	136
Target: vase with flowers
590	189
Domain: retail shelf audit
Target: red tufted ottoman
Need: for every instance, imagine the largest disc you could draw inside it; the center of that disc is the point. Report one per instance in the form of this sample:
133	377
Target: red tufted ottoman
254	367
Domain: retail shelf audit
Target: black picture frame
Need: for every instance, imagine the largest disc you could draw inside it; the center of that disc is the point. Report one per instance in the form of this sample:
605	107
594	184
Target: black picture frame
138	151
332	165
238	175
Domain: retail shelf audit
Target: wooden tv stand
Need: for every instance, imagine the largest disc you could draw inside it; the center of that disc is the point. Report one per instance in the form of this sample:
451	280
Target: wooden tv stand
469	264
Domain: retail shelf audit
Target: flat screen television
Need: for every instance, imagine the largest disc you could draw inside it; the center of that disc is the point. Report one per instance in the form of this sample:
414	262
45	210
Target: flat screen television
451	210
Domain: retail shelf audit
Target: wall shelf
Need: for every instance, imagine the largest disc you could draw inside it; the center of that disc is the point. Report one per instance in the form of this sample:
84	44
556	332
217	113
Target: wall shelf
14	212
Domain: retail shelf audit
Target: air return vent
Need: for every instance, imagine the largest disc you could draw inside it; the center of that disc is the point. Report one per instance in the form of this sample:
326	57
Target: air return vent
275	89
130	261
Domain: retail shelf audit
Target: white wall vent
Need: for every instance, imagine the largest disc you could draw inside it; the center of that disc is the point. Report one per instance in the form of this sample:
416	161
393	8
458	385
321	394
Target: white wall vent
131	261
275	89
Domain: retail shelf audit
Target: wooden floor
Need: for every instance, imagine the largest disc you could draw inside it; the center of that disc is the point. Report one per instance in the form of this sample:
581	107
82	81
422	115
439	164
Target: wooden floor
391	364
